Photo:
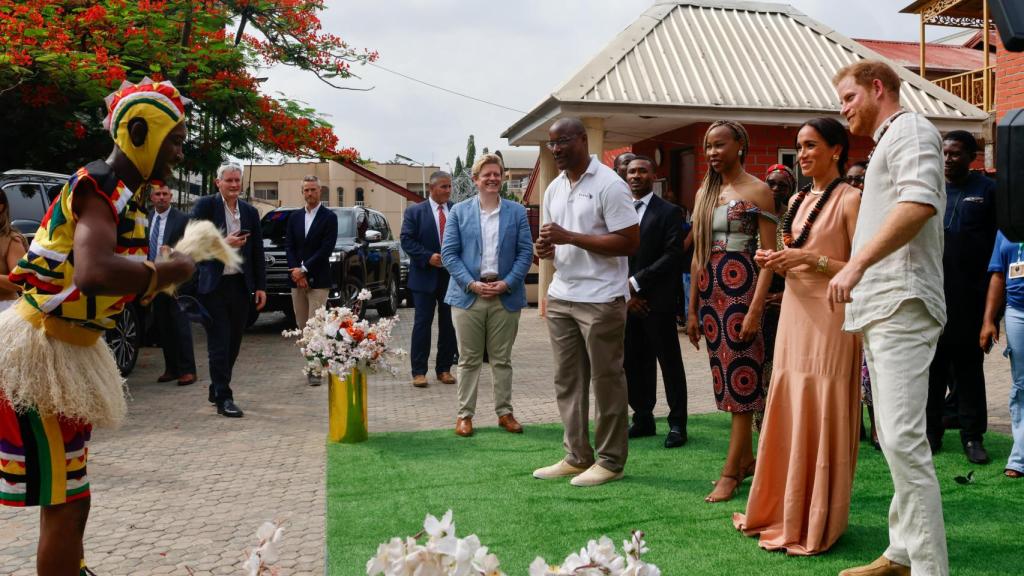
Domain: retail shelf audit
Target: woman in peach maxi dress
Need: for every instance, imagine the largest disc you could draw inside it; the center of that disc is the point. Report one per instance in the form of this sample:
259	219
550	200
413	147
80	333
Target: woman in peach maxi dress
800	498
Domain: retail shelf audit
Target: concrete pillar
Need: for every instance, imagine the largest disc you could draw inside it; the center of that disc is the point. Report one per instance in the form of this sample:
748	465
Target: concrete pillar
595	135
546	172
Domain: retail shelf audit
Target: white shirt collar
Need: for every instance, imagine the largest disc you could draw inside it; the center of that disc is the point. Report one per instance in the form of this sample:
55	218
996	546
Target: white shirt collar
646	199
434	205
315	208
882	127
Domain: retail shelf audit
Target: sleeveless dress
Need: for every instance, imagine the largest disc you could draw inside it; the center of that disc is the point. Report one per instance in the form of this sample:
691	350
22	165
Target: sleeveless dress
800	498
726	289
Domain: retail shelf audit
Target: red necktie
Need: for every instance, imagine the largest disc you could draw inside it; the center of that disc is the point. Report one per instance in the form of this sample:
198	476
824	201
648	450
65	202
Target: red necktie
441	220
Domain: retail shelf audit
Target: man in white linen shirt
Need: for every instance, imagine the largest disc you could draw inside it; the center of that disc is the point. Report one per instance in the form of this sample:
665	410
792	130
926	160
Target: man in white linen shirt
893	291
590	226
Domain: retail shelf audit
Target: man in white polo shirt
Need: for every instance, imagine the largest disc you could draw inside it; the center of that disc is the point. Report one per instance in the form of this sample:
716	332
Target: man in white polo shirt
893	291
589	227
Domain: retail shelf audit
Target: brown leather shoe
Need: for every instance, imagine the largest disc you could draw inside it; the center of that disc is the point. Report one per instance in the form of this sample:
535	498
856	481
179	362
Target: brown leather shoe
167	377
509	423
464	427
881	567
419	381
186	379
446	378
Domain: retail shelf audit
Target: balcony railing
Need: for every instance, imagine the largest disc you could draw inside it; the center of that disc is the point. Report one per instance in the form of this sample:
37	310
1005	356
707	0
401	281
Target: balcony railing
971	86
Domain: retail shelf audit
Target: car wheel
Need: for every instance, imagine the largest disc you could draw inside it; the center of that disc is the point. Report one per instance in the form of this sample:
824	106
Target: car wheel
350	297
390	305
254	314
123	339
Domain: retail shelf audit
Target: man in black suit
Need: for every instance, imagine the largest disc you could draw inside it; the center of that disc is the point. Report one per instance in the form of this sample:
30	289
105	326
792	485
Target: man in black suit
166	227
422	229
225	293
654	272
309	242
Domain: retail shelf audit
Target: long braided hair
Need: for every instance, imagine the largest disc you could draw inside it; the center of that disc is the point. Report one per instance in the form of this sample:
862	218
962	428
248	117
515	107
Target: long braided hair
707	195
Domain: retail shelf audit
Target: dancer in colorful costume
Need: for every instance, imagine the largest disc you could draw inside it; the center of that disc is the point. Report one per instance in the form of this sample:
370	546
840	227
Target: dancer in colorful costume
87	261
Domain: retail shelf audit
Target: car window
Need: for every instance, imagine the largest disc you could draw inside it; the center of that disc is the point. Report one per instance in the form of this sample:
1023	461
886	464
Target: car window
26	201
346	224
52	191
385	230
275	224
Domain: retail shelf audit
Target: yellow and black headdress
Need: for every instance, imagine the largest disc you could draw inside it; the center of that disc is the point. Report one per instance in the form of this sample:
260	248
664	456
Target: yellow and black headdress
159	104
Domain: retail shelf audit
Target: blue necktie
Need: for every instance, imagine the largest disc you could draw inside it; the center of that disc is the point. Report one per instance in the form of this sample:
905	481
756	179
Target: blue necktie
154	238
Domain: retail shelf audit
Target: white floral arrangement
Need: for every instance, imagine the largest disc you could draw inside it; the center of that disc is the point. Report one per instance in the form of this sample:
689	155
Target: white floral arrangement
444	554
336	339
261	559
600	558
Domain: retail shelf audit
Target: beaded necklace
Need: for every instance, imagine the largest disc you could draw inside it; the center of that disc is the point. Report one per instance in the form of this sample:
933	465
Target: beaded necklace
787	222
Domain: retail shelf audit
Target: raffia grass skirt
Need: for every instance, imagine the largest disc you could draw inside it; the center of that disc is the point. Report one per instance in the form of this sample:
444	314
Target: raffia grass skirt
54	377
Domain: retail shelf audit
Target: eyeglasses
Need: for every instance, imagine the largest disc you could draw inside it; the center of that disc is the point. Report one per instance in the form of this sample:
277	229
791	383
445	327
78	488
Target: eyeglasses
854	179
561	142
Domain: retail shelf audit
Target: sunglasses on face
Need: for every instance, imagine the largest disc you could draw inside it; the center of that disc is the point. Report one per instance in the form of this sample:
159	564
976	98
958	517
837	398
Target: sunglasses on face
855	179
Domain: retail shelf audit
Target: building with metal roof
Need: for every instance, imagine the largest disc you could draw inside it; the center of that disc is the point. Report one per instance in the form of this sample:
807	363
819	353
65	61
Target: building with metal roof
682	64
690	60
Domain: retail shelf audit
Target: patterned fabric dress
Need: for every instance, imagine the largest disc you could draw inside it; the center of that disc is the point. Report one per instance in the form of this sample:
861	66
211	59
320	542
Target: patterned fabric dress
726	289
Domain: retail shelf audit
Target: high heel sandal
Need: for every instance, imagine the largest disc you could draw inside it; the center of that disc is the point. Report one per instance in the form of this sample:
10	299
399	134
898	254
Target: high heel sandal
750	469
712	500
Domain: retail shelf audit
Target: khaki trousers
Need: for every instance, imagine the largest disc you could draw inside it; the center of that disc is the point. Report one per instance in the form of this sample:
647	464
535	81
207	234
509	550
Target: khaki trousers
306	301
587	342
899	351
486	325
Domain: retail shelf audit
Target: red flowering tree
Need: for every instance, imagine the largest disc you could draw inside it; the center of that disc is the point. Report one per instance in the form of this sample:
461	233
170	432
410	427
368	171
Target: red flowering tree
59	59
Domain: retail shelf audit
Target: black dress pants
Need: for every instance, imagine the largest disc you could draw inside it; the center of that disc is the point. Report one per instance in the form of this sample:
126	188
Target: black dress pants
650	341
175	331
959	358
228	307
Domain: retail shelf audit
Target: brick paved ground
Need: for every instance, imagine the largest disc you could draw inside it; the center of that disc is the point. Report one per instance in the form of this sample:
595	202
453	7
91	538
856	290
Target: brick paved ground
179	488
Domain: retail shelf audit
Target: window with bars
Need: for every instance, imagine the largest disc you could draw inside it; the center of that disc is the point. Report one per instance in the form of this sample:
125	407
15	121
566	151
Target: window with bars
265	191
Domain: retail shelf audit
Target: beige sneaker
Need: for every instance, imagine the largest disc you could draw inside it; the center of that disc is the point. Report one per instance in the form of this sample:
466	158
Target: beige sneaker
594	476
881	567
561	469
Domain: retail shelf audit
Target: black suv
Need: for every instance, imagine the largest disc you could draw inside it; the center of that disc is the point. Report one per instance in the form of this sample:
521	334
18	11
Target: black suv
365	256
29	193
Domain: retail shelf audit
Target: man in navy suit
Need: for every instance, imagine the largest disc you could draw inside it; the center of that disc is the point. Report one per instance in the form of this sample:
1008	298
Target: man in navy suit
226	293
422	230
309	242
654	287
166	227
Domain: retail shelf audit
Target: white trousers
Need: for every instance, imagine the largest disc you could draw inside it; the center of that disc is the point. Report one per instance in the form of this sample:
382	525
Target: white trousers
899	351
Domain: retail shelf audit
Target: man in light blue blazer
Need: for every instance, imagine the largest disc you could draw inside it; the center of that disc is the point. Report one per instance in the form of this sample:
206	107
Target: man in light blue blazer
488	251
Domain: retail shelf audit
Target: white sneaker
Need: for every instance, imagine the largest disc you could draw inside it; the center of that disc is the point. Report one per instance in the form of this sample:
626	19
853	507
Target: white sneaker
561	469
594	476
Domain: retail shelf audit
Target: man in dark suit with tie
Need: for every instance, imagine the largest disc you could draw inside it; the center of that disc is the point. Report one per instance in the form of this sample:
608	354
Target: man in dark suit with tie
422	230
226	293
654	285
309	242
166	227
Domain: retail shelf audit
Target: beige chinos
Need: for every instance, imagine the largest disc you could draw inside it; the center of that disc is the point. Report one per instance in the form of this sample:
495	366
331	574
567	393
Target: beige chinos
486	325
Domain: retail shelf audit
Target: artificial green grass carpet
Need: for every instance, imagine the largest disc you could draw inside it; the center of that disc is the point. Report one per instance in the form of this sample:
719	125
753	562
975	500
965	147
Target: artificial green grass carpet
385	486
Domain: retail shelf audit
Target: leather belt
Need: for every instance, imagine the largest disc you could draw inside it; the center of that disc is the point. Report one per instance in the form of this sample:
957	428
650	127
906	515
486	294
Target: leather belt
489	278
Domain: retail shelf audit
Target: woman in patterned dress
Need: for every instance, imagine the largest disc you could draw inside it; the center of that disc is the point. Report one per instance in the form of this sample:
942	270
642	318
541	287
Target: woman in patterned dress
12	248
733	209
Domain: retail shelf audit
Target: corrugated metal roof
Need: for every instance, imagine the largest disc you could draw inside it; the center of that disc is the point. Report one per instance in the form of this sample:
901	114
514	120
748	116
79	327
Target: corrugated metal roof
938	57
731	54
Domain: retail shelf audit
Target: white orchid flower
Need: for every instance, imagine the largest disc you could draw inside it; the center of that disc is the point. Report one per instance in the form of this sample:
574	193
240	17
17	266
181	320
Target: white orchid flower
364	294
439	528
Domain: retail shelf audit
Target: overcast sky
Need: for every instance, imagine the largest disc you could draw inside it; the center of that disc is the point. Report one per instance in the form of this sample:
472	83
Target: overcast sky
513	52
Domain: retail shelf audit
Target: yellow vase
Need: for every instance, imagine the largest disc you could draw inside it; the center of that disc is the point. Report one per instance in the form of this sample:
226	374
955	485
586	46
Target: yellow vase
347	408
